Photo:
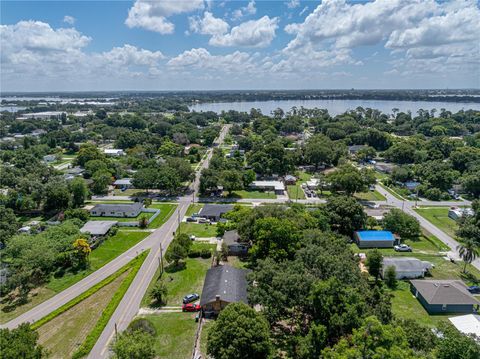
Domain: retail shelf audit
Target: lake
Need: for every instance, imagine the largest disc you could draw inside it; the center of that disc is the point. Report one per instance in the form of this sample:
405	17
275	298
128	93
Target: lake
335	107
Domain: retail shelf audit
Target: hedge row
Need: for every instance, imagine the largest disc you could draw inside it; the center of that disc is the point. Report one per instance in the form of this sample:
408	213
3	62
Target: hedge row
102	322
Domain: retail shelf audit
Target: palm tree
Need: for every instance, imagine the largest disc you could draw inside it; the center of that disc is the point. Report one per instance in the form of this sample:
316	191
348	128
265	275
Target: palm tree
468	250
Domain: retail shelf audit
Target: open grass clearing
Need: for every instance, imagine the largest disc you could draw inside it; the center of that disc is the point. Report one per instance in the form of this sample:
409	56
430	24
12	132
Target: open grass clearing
207	324
199	229
295	192
130	192
304	176
180	282
107	251
438	216
63	334
370	196
194	208
166	210
175	334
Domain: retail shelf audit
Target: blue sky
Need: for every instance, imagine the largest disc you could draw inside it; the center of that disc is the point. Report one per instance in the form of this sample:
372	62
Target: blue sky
197	44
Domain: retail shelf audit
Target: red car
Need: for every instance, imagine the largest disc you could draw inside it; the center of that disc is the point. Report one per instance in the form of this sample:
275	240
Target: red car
191	307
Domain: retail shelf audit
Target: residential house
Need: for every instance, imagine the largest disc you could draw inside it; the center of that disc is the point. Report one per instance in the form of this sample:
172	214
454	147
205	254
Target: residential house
97	228
223	285
456	212
290	180
235	247
444	296
114	152
384	167
406	267
49	158
214	212
130	210
125	183
374	239
275	186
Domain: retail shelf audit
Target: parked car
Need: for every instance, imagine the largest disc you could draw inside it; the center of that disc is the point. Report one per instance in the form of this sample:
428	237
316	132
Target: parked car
190	298
402	248
191	219
192	237
203	220
191	307
474	289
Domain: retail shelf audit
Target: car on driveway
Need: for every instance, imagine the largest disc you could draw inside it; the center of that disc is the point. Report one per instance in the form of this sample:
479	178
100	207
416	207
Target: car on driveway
474	289
191	307
402	248
190	298
191	219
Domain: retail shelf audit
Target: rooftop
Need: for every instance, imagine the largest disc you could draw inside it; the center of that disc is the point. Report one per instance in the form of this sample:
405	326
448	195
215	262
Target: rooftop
229	283
215	209
444	291
97	228
375	235
467	324
121	207
405	264
277	185
231	237
123	181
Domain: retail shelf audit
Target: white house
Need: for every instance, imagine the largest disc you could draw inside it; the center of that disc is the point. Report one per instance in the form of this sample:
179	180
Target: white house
276	186
406	267
114	152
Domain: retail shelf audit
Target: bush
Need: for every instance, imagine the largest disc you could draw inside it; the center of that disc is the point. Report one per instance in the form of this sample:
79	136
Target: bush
79	213
433	194
194	253
142	324
391	277
205	253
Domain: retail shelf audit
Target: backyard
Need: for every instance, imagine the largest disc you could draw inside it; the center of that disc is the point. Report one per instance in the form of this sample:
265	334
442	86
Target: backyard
295	191
252	194
198	229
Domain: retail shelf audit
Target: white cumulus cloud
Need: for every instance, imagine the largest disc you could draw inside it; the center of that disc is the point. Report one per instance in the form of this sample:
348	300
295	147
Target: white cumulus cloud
253	33
153	15
208	25
69	19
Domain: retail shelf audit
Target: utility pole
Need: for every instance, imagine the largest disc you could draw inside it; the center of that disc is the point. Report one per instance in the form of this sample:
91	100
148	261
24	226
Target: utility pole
160	260
116	332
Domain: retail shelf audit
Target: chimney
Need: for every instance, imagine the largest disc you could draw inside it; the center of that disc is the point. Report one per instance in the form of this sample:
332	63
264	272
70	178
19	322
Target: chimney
217	298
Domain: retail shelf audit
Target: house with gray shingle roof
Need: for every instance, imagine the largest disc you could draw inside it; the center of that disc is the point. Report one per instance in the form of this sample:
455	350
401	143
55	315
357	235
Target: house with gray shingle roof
232	240
444	296
223	285
406	267
130	210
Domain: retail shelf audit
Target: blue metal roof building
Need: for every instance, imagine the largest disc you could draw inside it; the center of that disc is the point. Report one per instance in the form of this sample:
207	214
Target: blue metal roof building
374	239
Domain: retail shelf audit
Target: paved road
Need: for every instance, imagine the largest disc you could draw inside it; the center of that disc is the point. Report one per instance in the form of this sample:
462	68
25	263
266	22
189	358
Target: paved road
130	303
152	241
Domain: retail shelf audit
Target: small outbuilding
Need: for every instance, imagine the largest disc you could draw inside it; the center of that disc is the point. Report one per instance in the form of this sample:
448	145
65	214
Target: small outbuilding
444	296
374	239
467	324
214	212
97	228
223	285
235	247
123	183
290	180
130	210
406	267
274	186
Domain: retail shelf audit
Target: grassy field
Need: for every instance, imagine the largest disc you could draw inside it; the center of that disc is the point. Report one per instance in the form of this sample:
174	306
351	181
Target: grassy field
63	334
181	282
370	196
107	251
207	324
194	208
438	216
199	229
166	210
295	192
129	192
175	333
304	176
252	194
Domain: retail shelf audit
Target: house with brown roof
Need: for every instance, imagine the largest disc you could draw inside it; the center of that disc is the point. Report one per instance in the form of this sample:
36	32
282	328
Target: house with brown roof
444	296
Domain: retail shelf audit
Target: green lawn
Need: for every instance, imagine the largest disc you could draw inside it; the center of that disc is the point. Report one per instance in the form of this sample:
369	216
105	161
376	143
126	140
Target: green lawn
295	192
181	282
203	245
100	256
129	192
199	229
175	334
304	176
438	216
207	324
252	194
194	208
370	196
392	192
166	210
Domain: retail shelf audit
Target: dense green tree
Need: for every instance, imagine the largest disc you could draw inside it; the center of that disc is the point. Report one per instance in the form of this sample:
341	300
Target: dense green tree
455	345
88	152
468	251
134	345
175	253
471	183
401	152
239	333
57	196
21	342
79	191
372	340
8	224
145	178
101	181
374	262
231	180
345	214
159	292
168	180
420	338
391	277
319	151
401	223
183	168
349	179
